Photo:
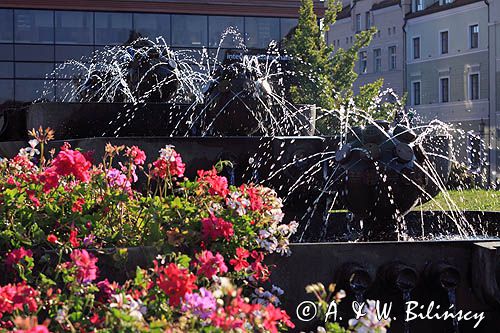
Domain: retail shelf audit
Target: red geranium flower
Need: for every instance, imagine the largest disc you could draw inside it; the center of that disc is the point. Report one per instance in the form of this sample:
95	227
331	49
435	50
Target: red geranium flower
215	227
168	164
15	256
86	264
137	155
217	185
78	205
240	262
52	238
210	265
73	239
175	282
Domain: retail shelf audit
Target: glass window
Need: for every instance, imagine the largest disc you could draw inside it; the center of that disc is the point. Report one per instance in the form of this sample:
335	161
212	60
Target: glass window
74	27
34	70
34	26
368	20
474	86
416	93
260	31
112	28
358	22
287	27
377	60
153	26
34	52
419	5
189	30
392	57
217	25
6	33
444	92
6	70
474	36
6	90
363	63
31	90
444	42
416	47
6	52
72	52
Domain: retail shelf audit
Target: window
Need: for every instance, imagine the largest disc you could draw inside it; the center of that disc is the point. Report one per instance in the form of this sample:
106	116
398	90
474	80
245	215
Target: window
189	30
6	90
416	47
286	26
358	22
377	60
368	20
34	26
416	93
74	27
444	90
153	26
418	5
260	31
444	42
392	58
112	28
474	86
474	36
217	25
363	62
6	31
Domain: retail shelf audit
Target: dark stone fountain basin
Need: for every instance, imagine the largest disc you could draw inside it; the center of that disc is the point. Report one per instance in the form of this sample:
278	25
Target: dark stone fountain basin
466	273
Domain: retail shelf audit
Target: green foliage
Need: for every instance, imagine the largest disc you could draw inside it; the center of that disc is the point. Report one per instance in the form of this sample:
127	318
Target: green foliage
325	78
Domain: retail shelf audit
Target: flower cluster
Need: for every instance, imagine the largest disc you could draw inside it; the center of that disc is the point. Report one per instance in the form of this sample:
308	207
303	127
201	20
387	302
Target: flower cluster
213	237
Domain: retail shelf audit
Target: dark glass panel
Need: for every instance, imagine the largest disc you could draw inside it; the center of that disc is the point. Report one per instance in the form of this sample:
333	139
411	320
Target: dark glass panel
6	70
6	26
34	26
6	52
189	30
260	31
34	52
287	26
217	25
73	52
31	90
34	70
74	27
112	28
6	90
153	26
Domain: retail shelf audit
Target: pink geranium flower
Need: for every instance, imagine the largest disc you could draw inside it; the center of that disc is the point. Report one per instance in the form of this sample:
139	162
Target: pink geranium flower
86	265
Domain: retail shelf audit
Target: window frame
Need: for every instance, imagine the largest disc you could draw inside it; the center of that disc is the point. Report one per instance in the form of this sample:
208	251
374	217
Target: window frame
413	95
357	23
413	47
375	58
395	54
470	35
363	60
469	86
441	100
441	41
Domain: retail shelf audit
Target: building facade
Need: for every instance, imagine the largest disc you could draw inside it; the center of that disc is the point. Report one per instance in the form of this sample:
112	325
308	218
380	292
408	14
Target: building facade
384	57
449	74
38	35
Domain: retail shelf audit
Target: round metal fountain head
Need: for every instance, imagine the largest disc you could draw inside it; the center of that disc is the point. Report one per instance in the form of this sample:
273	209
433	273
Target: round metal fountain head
382	173
238	100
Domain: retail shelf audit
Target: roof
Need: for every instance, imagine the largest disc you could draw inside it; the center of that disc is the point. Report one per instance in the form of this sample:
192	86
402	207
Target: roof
384	4
436	7
344	13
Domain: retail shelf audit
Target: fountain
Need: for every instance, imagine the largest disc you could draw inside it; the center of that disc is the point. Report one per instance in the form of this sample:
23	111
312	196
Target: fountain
138	94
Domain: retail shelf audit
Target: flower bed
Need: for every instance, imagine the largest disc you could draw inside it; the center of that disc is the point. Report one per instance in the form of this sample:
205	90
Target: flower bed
59	212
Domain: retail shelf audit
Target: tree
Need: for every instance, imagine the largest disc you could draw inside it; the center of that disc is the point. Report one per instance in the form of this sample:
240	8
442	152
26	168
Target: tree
322	77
